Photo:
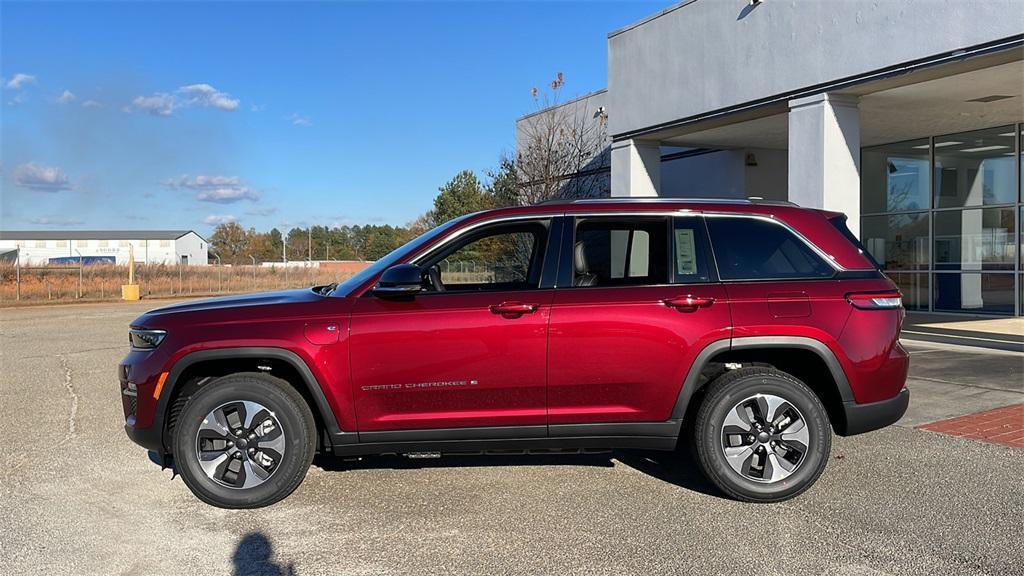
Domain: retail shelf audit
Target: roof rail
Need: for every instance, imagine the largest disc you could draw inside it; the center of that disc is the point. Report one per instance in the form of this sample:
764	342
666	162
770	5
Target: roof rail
666	200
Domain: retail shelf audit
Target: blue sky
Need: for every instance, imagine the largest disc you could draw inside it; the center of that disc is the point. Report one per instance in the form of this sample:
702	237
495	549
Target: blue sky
180	115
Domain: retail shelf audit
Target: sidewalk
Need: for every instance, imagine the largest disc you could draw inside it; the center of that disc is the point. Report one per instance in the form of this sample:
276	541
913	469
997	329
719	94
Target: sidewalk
994	333
954	390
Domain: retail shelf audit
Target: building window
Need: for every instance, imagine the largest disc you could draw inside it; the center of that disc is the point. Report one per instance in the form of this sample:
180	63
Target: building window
976	168
973	292
124	244
62	243
960	251
40	244
165	243
975	239
81	243
102	244
897	241
895	177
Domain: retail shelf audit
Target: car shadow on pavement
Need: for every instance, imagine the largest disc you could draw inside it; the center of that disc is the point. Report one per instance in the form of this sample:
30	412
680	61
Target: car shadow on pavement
396	462
675	467
254	557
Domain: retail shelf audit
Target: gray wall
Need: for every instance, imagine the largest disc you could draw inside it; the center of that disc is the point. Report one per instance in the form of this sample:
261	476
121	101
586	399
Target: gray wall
706	55
724	174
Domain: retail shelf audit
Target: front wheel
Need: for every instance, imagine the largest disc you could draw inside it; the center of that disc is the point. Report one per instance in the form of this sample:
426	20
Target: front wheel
244	441
761	435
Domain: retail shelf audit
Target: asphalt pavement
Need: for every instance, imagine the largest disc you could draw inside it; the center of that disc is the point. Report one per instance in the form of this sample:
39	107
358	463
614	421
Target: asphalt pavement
77	497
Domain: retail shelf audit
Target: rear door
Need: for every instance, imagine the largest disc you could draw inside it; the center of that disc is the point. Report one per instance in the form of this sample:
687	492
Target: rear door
637	299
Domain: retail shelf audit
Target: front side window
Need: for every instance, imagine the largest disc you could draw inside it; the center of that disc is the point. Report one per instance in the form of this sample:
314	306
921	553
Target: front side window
613	252
500	258
753	249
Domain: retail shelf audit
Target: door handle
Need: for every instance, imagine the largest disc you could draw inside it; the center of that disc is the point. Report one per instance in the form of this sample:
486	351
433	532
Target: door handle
688	303
514	308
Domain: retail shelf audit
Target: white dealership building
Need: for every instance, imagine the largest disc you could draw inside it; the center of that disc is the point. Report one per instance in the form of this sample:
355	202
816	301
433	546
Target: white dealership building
904	114
35	248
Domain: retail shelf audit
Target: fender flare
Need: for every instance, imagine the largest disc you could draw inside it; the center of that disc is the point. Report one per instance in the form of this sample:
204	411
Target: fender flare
753	342
322	407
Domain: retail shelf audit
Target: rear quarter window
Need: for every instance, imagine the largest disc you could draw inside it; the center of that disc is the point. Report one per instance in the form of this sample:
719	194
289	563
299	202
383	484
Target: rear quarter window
754	249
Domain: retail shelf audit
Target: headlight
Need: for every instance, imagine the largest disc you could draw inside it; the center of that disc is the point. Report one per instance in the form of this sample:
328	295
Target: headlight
145	339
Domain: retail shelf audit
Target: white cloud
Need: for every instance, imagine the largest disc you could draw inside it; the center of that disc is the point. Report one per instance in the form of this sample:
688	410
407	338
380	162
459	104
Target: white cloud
201	182
215	219
66	98
91	104
257	107
41	178
227	195
47	221
208	96
20	80
159	104
192	95
300	120
218	189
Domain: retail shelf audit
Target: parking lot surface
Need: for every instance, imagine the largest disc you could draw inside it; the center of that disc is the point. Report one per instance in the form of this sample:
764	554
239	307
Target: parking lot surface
77	497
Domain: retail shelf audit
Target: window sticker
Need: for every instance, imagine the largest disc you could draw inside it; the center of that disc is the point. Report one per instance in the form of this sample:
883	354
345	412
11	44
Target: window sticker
686	252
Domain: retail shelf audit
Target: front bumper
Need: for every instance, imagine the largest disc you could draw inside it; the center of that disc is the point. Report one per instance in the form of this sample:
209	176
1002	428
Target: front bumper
142	424
860	418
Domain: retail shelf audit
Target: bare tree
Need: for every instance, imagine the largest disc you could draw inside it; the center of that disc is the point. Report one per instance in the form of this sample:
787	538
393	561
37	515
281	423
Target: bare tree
563	149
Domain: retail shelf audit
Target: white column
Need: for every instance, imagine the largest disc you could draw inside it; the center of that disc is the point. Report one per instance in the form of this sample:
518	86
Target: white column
824	154
636	168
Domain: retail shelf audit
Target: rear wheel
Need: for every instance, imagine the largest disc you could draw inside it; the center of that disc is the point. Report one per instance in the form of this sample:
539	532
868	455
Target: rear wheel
761	435
244	441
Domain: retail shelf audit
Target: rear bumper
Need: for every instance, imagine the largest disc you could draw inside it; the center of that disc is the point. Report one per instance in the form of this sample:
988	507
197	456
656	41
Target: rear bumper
860	418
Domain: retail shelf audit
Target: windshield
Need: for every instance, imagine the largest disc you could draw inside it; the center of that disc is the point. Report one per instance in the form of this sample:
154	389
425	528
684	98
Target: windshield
393	257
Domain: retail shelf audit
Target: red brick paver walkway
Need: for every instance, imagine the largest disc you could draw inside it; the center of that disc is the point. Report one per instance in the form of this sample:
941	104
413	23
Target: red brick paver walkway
1000	426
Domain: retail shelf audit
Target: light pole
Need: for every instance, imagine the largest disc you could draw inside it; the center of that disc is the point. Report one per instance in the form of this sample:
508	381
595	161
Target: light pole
79	273
17	266
253	258
309	242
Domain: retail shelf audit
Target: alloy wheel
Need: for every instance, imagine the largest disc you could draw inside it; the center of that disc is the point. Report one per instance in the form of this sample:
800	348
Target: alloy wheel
240	444
765	438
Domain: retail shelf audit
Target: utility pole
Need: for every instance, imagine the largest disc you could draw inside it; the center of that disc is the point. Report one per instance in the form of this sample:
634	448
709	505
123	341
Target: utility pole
253	258
309	241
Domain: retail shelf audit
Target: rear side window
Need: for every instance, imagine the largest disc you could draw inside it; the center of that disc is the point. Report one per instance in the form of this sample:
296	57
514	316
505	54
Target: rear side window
690	252
612	252
753	249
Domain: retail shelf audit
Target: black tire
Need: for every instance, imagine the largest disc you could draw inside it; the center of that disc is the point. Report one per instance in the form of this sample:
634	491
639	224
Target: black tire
294	421
709	436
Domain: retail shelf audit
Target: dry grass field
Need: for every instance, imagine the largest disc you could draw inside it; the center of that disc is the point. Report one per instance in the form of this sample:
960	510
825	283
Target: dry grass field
61	284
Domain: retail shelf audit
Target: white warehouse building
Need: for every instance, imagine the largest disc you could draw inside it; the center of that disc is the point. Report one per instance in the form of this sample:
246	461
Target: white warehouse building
36	248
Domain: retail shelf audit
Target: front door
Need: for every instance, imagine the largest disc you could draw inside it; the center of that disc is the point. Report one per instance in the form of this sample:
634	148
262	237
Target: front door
470	349
639	303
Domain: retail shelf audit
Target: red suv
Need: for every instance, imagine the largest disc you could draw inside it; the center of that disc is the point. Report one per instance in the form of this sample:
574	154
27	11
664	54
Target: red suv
750	330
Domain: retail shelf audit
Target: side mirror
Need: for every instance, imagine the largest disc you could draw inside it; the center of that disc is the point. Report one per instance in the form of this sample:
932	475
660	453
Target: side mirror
400	280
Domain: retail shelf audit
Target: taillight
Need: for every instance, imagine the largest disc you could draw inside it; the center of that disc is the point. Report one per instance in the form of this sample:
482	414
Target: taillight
876	300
